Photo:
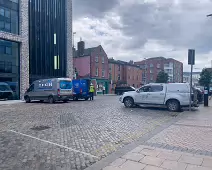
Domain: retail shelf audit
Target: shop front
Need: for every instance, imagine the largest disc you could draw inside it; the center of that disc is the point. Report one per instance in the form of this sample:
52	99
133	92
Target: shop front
102	84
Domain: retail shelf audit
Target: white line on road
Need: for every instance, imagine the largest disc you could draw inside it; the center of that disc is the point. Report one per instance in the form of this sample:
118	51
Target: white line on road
53	143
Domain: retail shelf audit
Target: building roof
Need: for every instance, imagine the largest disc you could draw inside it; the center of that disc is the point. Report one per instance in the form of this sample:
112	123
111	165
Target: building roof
111	60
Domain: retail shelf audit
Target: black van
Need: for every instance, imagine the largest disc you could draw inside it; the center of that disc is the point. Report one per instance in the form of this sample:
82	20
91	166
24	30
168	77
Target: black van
120	90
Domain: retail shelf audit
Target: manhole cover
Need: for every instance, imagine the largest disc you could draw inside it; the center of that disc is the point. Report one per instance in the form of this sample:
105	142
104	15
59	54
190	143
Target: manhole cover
39	128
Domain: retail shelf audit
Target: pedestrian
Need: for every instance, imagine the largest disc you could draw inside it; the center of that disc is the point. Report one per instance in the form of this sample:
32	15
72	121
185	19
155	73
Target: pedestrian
91	91
103	90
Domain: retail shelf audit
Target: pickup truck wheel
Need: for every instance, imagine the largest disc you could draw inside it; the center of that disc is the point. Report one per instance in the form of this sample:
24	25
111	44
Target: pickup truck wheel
173	105
128	102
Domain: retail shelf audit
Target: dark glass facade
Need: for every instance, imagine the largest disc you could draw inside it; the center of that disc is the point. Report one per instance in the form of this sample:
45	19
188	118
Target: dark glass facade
9	16
47	37
9	70
9	51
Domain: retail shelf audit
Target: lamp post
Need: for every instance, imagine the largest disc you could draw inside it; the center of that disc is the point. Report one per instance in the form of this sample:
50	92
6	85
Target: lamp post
73	37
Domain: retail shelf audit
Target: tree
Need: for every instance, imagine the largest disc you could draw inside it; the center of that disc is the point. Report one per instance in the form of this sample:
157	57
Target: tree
162	77
205	78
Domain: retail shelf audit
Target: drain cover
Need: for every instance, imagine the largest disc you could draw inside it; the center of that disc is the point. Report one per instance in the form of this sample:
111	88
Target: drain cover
39	128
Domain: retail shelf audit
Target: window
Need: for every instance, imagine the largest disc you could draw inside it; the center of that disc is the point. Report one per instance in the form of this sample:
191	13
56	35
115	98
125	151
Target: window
8	68
110	66
1	11
8	50
7	26
103	59
103	73
97	59
151	70
137	77
2	25
119	77
156	88
145	89
158	65
110	76
7	14
151	77
151	65
65	85
97	71
2	66
119	68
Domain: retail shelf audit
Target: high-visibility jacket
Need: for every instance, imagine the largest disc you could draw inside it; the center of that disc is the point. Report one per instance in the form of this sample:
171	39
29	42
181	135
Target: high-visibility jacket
91	89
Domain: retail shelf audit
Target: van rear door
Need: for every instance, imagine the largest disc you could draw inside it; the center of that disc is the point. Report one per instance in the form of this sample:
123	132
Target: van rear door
65	88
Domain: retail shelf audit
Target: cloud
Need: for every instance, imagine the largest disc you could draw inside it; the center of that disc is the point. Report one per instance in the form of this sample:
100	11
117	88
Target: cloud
137	29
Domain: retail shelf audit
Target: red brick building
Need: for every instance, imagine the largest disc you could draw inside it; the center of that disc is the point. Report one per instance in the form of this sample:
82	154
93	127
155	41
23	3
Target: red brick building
152	66
124	73
98	68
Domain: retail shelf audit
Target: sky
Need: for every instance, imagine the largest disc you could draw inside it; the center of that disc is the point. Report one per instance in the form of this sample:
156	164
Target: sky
138	29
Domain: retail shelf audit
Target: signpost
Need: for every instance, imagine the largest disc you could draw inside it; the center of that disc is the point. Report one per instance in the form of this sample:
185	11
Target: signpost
191	61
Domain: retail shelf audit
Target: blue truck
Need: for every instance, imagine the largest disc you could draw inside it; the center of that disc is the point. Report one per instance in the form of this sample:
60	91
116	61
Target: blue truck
81	89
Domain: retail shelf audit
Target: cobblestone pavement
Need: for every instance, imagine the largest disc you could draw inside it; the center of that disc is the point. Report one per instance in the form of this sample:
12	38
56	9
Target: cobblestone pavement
73	135
151	158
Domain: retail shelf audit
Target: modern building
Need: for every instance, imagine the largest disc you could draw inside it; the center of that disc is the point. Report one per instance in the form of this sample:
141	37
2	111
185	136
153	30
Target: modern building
152	66
195	77
92	63
35	41
124	73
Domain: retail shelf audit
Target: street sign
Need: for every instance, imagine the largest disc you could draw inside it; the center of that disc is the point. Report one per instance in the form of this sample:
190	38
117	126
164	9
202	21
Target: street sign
191	57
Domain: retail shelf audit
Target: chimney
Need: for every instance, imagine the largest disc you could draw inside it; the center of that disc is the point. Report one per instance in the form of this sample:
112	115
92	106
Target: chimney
80	48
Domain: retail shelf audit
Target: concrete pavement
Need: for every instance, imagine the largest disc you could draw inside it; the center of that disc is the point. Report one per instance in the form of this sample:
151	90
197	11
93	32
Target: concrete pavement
184	145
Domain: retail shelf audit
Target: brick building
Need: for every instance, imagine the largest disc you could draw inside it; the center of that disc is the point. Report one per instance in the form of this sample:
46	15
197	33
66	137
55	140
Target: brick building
152	66
92	63
124	73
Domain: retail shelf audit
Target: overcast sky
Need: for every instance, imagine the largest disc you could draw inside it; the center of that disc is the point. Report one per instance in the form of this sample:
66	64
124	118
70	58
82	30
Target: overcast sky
138	29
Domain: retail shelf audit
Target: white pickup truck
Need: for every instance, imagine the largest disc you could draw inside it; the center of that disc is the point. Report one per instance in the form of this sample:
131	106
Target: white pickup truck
172	95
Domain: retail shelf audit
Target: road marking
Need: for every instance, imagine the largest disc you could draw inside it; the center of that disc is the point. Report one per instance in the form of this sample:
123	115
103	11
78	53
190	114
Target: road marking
53	143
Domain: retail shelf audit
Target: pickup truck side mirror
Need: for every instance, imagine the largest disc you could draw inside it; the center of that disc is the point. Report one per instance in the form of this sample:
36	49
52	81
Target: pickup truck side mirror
137	91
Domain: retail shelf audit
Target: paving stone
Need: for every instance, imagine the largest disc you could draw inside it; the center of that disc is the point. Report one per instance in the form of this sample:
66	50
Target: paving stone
195	167
131	165
149	167
150	152
118	162
169	156
133	156
191	160
207	162
152	161
111	168
173	165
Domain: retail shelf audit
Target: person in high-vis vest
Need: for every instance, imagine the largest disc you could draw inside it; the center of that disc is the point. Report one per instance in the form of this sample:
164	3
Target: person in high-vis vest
91	91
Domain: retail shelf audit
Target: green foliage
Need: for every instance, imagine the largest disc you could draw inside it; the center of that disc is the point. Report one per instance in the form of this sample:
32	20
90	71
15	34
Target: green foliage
205	78
162	77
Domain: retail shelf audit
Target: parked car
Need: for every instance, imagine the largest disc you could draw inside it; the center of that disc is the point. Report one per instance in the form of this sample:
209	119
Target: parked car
174	96
52	90
81	89
5	91
120	90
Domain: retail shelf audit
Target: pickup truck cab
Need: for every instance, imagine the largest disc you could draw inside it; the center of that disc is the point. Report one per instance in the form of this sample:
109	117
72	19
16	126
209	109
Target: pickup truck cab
173	96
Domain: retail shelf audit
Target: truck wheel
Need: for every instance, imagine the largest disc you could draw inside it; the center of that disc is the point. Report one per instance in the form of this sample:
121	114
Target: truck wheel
27	99
51	99
128	102
86	98
173	105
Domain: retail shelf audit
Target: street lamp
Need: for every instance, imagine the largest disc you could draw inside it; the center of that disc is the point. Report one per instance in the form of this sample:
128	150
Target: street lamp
73	37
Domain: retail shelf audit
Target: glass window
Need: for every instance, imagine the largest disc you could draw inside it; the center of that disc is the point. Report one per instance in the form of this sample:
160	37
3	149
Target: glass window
8	26
97	59
65	85
1	11
103	59
103	73
1	24
119	77
156	88
7	13
8	50
145	89
97	72
10	64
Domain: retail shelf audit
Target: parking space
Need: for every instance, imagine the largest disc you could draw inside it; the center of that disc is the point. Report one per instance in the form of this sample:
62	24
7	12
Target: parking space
73	135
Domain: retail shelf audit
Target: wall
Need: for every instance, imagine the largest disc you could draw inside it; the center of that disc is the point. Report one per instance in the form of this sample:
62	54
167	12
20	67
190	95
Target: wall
99	52
82	64
133	76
